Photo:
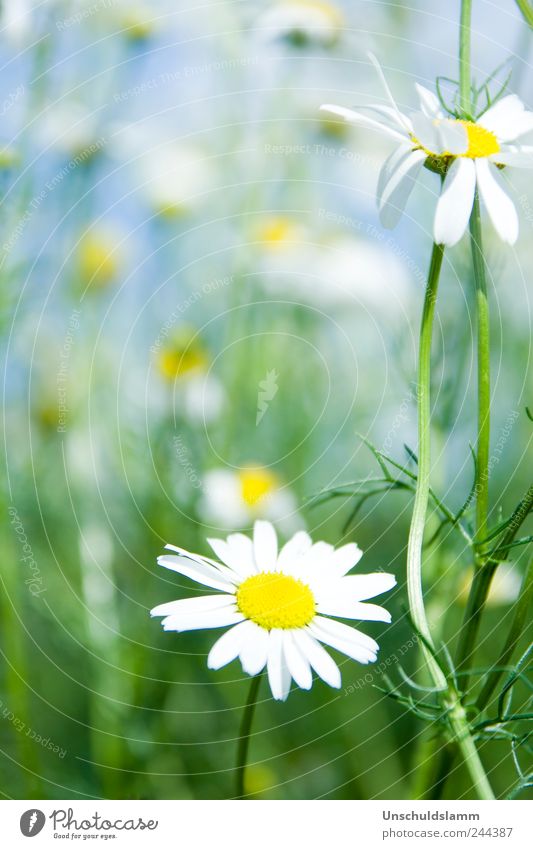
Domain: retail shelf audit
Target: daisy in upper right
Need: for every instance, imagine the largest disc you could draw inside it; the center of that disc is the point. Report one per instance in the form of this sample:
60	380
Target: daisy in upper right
469	154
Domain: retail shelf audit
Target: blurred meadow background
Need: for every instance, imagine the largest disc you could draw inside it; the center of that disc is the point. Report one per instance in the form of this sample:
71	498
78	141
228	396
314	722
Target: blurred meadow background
201	315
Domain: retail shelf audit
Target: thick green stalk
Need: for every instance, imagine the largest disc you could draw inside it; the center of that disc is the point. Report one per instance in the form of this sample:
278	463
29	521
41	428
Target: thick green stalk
527	10
515	632
483	568
482	581
465	82
455	712
483	373
418	520
244	737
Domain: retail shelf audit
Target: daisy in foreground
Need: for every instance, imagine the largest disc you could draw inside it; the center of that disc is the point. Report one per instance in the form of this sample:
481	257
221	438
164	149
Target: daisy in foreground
467	153
277	605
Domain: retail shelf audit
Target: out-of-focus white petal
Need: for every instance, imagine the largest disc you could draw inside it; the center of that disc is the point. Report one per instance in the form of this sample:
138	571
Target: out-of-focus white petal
265	546
426	132
401	118
453	137
396	192
517	156
429	102
507	119
363	120
455	203
499	205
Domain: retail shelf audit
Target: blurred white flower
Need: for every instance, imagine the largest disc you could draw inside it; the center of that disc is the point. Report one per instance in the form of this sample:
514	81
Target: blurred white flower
278	605
302	22
16	18
504	588
233	499
332	270
70	128
172	175
183	361
469	154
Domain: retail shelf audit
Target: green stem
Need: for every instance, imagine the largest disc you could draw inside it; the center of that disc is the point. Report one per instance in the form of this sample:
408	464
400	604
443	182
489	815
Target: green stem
527	10
483	568
465	82
482	581
244	737
483	373
418	521
517	626
451	701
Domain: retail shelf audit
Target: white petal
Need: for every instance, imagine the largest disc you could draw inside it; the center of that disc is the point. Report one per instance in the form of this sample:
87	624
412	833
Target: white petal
346	633
297	663
278	674
426	132
203	560
235	554
345	558
363	120
265	546
204	619
294	550
399	187
507	119
254	652
401	118
455	203
389	167
193	605
348	647
228	646
429	102
389	116
453	137
338	605
517	156
203	573
324	666
361	587
499	205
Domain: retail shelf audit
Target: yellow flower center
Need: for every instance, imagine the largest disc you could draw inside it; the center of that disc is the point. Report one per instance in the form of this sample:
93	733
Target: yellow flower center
276	231
179	361
273	600
481	142
255	484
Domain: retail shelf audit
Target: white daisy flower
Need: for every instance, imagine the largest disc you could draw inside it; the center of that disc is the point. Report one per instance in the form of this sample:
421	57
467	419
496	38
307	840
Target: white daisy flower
469	153
303	22
235	498
278	605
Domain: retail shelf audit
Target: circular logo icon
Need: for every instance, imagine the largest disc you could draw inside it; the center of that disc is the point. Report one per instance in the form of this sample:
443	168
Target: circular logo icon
32	822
